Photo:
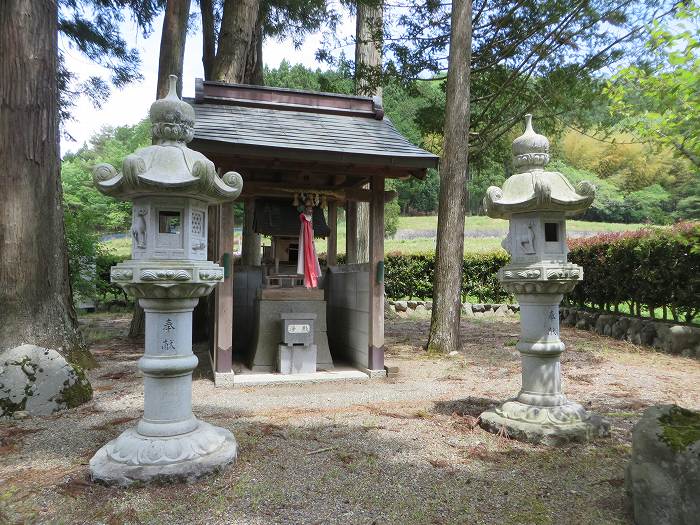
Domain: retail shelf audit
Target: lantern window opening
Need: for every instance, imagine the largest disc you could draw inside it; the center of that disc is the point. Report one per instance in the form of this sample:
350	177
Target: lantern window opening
551	232
169	222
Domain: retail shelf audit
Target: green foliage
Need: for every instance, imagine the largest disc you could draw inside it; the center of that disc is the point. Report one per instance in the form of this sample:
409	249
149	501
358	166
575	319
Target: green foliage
392	210
301	77
88	214
105	290
656	268
481	176
412	276
659	98
82	246
651	204
80	196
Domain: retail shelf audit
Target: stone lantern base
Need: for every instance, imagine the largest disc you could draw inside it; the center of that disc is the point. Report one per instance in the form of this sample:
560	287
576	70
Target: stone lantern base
133	457
548	425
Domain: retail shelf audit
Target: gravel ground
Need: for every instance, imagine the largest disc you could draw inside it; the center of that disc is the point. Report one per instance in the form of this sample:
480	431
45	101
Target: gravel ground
401	450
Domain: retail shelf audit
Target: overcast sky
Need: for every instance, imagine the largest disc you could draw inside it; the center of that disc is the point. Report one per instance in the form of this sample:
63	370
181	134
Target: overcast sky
129	105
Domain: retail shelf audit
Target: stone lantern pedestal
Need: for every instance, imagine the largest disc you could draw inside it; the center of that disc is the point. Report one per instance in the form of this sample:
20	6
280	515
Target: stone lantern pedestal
536	202
171	187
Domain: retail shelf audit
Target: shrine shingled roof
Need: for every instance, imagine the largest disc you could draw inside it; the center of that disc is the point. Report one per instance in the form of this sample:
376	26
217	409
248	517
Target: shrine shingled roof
292	124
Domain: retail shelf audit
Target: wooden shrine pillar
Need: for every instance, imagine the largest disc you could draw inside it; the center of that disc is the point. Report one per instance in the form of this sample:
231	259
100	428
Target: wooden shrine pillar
350	232
376	275
223	302
332	251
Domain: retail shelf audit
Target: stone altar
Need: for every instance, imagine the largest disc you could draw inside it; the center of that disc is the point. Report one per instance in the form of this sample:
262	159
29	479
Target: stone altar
171	187
536	203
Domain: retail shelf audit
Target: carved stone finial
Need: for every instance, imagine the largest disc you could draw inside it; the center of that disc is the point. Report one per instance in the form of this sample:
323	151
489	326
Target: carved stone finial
530	150
171	118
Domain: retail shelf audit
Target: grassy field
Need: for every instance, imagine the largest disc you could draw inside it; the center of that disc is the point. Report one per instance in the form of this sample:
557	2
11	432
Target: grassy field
415	235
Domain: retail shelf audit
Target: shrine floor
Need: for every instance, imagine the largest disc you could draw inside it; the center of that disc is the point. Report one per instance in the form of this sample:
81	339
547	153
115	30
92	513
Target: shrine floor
403	450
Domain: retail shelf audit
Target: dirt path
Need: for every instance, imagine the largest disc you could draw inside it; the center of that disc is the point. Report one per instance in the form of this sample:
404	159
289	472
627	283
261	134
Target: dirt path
401	451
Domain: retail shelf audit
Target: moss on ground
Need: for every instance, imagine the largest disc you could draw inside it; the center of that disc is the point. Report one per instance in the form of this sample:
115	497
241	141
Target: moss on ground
680	428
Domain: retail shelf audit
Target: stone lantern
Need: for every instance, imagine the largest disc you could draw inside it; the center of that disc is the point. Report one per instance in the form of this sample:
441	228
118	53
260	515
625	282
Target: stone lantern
170	186
536	203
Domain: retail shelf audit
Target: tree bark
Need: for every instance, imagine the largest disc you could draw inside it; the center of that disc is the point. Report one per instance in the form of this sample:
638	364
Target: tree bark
172	45
208	37
35	293
238	25
368	49
137	328
254	63
447	307
368	62
250	241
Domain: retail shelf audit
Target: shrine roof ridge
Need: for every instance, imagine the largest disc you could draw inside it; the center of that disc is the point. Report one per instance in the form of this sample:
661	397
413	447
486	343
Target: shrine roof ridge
213	92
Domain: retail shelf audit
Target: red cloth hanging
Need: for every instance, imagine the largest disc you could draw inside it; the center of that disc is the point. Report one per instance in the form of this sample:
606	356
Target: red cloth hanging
308	262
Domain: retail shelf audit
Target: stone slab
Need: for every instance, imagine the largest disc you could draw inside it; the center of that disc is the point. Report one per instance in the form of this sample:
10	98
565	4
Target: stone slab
250	379
296	359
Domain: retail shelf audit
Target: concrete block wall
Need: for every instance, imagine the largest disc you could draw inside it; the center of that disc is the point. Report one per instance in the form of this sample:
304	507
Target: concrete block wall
347	294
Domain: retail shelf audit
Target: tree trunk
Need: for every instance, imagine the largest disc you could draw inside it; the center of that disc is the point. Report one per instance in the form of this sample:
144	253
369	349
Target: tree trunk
172	45
137	328
238	25
368	62
35	292
368	49
444	324
208	37
250	241
254	63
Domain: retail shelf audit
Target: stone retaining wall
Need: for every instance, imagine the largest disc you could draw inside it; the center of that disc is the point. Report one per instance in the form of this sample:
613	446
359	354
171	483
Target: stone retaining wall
404	308
662	335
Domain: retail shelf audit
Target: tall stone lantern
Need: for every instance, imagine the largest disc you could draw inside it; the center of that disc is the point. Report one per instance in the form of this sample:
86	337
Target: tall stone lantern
536	203
170	186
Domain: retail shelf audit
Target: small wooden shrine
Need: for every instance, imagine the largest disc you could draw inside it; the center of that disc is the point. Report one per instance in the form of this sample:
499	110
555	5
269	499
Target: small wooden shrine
293	148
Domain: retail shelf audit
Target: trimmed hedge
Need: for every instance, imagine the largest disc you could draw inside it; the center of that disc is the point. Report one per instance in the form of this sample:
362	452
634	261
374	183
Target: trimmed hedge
412	276
651	268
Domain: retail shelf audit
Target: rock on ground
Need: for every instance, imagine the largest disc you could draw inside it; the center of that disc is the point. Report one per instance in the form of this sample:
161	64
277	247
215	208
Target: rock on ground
39	381
663	478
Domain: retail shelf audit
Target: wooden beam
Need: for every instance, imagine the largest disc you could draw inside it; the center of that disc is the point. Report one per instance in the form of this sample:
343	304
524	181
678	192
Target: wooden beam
350	232
224	292
376	277
259	189
332	255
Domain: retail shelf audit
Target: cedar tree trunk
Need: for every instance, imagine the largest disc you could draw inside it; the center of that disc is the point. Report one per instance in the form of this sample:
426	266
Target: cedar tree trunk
35	289
172	45
368	62
238	25
208	37
447	304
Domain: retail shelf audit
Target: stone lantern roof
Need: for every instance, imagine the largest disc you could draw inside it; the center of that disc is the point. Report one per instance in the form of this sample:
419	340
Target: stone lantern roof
531	188
168	167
